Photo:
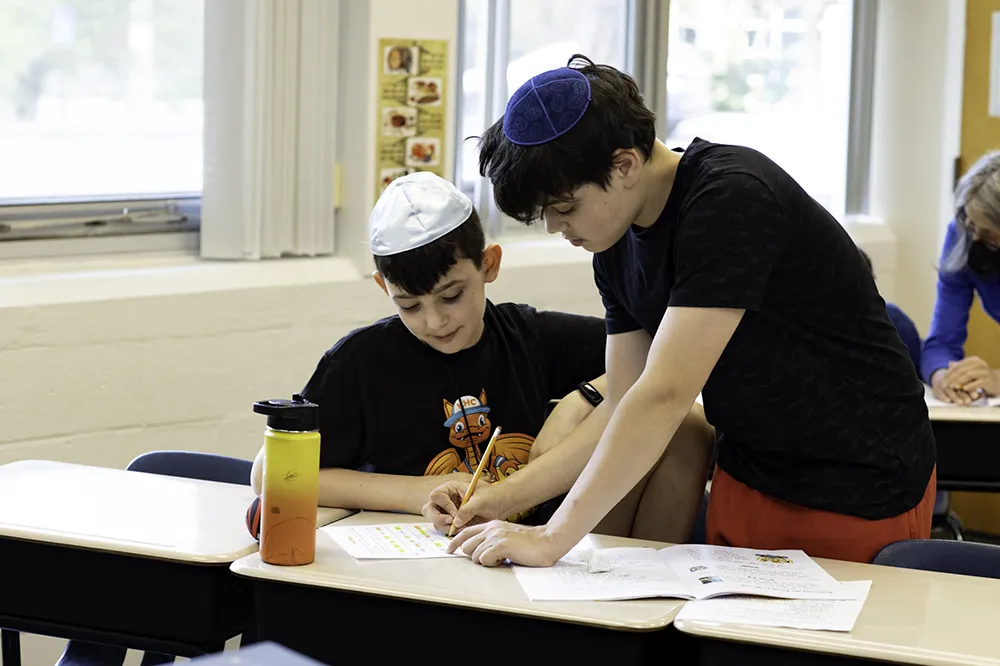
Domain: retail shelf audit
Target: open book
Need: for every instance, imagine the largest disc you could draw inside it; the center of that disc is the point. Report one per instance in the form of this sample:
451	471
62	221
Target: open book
684	572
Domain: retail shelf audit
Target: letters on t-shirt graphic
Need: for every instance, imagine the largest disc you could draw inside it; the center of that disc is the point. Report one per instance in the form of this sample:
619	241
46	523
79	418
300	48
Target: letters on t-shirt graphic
469	432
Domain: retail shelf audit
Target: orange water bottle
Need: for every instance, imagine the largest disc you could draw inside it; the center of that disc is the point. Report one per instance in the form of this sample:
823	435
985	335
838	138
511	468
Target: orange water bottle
290	487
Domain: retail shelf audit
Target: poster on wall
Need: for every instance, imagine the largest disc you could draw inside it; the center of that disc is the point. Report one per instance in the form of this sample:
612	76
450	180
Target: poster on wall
411	108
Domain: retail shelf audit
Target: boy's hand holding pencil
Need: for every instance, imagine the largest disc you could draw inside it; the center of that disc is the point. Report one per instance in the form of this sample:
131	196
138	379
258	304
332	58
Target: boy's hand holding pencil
454	505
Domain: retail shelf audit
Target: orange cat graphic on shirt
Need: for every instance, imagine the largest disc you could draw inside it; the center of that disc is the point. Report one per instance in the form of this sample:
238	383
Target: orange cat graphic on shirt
469	431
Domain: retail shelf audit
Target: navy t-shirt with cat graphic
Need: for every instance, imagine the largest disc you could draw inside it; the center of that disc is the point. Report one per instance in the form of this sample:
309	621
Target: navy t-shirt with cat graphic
392	405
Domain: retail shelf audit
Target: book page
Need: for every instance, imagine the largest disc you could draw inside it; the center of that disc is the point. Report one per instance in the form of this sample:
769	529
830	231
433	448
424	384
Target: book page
602	575
814	614
709	571
406	541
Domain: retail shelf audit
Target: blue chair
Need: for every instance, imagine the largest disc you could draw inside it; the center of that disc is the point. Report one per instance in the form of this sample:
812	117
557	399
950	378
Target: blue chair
955	557
942	515
184	464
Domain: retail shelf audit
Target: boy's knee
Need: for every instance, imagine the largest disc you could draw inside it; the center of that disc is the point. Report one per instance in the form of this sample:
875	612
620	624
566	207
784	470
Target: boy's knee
695	437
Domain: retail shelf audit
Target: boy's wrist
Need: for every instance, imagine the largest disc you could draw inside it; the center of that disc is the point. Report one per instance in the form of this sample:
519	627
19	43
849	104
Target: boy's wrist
421	492
558	538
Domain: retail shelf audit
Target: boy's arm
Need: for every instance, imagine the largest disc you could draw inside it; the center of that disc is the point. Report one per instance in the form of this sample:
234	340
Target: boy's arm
555	472
350	489
569	414
686	348
556	469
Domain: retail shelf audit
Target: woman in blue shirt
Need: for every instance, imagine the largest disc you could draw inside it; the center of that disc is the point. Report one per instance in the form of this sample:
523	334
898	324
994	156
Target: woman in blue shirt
970	265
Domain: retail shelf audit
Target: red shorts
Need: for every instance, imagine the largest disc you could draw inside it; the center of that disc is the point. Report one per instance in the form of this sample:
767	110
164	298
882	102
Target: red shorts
740	516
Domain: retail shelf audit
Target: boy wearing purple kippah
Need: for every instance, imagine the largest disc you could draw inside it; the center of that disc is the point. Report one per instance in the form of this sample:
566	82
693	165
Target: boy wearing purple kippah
719	275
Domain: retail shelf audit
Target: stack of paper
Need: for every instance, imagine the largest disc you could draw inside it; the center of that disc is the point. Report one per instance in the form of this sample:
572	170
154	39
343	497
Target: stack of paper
816	614
685	572
771	588
981	402
405	541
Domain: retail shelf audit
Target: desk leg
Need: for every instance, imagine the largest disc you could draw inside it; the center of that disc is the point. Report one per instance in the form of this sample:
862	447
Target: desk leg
249	636
156	658
10	647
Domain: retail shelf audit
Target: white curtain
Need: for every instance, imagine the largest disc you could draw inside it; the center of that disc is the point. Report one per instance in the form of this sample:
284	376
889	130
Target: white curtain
270	99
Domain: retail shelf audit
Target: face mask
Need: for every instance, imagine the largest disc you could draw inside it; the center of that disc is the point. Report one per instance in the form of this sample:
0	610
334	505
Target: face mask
984	261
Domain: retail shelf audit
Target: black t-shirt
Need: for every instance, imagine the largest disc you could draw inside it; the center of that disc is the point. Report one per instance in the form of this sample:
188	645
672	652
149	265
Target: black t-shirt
392	405
814	397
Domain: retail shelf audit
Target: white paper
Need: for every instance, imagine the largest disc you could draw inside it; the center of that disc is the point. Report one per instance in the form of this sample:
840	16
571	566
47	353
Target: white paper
814	614
683	572
408	541
628	573
709	571
984	402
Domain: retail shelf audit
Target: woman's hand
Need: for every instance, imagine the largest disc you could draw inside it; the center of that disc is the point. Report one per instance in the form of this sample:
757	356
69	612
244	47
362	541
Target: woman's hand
964	381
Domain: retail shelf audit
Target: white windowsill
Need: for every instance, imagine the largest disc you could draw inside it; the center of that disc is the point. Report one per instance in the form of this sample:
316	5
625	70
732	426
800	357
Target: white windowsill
80	279
59	280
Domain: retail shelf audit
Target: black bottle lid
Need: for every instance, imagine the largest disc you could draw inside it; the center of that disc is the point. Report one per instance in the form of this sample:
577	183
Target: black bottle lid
295	415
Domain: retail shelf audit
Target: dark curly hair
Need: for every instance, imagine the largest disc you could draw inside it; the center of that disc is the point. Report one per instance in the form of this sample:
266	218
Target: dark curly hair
528	178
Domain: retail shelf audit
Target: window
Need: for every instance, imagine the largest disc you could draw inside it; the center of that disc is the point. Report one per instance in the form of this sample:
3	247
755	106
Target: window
100	110
518	39
774	75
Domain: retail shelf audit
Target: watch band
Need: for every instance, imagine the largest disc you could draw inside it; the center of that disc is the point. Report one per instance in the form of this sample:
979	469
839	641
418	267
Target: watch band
590	394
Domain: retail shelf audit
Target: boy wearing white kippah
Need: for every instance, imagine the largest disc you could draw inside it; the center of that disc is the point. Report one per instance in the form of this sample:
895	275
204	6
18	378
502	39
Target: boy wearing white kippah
418	395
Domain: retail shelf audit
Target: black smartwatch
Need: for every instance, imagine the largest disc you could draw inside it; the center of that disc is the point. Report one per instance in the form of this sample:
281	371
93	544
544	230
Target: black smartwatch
590	394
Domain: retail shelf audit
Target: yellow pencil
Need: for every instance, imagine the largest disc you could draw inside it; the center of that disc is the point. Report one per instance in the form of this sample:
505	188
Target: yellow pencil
479	472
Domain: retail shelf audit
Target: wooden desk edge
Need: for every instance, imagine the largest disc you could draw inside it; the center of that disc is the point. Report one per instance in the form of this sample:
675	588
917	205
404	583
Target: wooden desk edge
348	584
826	642
150	551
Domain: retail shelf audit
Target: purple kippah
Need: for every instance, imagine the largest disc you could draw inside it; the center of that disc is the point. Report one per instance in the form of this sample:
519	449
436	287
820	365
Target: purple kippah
546	107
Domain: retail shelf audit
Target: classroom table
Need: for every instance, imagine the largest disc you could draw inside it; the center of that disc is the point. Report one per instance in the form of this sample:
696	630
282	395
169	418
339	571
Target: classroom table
910	617
968	447
342	610
127	558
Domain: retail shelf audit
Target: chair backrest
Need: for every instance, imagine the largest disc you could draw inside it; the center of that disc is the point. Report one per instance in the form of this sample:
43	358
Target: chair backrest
192	465
956	557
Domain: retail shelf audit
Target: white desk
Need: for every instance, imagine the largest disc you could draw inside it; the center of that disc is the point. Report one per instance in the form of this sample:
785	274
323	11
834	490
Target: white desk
130	513
965	413
910	617
968	446
139	560
427	597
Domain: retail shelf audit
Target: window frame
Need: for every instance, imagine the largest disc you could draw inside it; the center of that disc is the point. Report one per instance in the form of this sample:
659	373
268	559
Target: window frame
84	225
647	35
497	44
